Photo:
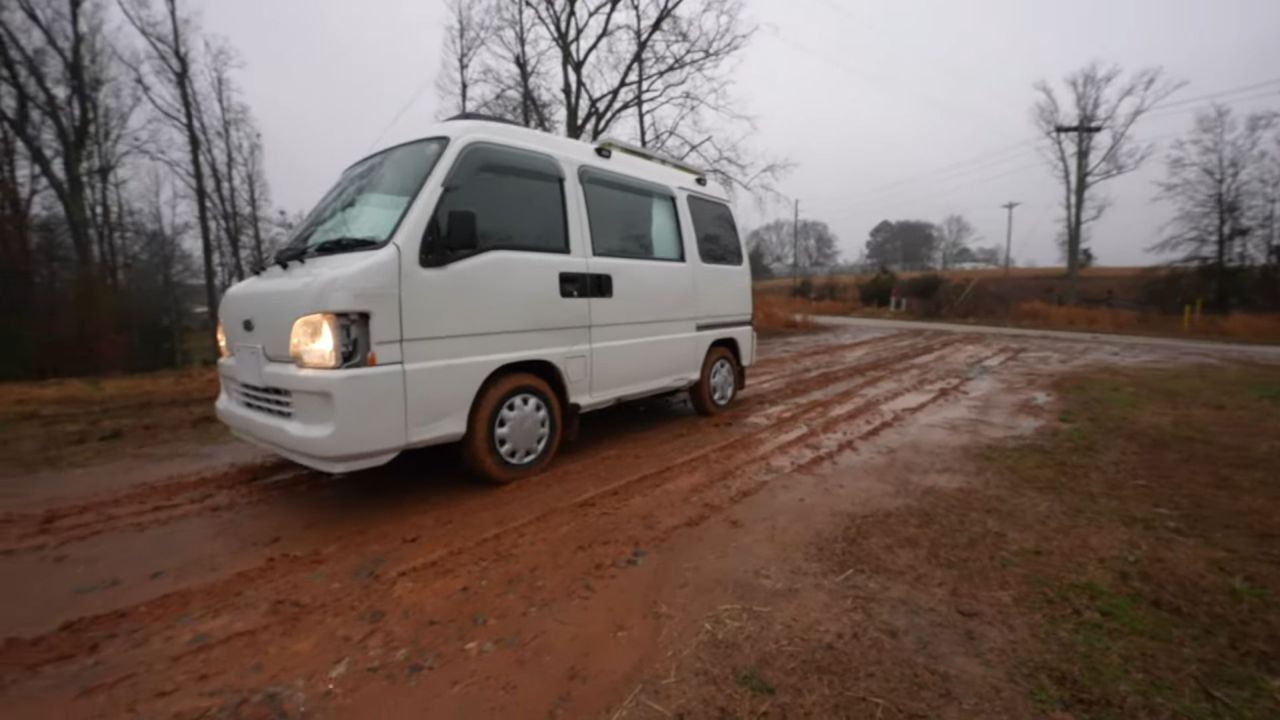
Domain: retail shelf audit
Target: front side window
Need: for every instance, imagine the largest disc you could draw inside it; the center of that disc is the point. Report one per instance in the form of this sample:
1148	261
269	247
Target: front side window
718	242
366	205
498	198
630	219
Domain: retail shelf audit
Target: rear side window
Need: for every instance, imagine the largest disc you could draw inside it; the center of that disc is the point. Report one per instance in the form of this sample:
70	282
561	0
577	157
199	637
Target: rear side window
718	242
631	219
502	199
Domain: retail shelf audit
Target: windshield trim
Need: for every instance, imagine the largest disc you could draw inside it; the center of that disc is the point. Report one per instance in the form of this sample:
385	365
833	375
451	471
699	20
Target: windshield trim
307	253
397	146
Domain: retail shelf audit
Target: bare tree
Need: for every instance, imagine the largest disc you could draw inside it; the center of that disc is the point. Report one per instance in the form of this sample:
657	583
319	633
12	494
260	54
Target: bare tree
783	245
221	117
1216	180
167	80
515	77
47	101
656	72
1268	210
466	36
19	187
619	59
1088	139
954	235
256	193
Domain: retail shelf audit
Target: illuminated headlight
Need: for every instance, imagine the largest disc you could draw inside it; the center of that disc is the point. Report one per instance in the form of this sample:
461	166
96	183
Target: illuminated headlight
325	340
222	341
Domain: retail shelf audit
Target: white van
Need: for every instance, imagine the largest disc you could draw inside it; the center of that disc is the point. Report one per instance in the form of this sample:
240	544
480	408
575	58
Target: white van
488	284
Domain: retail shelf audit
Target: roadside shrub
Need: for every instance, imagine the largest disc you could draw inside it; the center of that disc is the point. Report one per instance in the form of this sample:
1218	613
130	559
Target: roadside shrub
773	313
923	287
832	288
877	290
804	288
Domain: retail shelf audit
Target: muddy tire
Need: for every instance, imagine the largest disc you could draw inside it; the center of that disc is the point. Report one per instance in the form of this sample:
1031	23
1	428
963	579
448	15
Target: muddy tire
718	385
514	429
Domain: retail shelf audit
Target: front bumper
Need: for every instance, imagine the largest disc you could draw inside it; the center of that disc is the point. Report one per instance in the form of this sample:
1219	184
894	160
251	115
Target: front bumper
331	420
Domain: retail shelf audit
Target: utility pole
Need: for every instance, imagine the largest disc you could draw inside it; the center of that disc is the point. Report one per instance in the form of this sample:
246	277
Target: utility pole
1075	218
1008	234
795	246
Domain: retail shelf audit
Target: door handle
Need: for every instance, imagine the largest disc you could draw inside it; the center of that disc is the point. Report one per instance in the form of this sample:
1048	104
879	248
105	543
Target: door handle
586	285
601	285
574	285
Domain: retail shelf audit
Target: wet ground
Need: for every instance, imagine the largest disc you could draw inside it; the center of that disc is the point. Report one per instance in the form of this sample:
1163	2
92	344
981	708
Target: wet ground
206	579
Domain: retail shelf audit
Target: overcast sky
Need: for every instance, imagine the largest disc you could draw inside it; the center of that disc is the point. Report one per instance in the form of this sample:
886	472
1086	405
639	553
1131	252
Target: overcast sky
889	110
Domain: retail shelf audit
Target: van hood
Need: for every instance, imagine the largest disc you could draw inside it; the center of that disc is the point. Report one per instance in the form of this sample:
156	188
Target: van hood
261	310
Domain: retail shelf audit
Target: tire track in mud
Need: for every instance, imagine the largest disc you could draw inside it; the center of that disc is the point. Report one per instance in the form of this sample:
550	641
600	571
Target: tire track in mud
149	505
801	447
782	436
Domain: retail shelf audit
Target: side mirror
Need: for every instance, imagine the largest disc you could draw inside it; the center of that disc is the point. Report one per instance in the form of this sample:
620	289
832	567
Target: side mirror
461	235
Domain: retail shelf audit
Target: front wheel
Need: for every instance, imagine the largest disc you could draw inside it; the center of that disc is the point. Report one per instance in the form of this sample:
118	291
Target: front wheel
718	384
514	429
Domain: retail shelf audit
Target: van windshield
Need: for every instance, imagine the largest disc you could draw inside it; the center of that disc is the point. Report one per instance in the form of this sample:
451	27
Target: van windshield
364	208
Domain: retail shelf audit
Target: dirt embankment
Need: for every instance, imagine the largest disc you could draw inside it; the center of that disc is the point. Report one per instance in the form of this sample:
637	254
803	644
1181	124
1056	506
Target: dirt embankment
616	584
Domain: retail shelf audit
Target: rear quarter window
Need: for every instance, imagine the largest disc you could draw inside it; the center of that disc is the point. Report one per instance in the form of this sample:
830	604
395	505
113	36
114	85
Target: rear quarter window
630	218
717	233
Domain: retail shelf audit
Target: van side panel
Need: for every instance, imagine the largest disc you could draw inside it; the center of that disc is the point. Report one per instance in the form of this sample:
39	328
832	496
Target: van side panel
643	337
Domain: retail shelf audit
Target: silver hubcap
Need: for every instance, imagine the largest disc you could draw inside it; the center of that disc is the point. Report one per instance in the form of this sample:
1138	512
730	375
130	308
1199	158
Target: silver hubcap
723	383
522	428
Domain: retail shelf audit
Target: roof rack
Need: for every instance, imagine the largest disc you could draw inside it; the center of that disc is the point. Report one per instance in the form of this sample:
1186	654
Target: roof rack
609	144
483	118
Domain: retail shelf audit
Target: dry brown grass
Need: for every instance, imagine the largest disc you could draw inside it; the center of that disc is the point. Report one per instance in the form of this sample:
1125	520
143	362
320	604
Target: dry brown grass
775	284
1239	326
59	422
775	312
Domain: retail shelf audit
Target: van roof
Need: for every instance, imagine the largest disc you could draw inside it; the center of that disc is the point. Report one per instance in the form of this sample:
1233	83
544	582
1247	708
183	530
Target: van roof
604	154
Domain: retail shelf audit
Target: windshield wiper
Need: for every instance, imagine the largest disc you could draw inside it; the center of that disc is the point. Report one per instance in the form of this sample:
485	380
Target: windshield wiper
343	244
286	255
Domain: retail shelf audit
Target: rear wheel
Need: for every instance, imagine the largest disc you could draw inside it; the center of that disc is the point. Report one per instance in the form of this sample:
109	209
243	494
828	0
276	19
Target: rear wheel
514	429
718	385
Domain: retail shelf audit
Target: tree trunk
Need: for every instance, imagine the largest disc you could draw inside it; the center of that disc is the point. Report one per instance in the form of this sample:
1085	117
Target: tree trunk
1220	259
183	78
1076	228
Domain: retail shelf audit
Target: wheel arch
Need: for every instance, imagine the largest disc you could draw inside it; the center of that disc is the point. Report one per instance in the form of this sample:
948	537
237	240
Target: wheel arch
544	369
548	372
731	344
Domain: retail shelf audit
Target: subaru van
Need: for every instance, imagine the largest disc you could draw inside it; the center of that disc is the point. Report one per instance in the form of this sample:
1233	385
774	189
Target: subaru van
486	284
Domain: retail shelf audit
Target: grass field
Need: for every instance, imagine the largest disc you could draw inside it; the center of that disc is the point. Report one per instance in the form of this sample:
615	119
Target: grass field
1153	572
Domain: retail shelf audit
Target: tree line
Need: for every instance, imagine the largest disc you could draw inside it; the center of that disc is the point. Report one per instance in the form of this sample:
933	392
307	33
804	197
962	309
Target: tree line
125	141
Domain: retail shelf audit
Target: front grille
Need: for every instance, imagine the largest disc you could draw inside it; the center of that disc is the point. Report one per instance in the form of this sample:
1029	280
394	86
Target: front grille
269	400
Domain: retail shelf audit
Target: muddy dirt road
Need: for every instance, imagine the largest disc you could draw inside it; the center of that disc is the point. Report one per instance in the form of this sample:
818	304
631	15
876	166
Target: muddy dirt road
215	581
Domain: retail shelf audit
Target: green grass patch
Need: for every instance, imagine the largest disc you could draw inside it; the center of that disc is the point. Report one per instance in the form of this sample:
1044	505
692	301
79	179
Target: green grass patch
1270	393
1151	584
750	680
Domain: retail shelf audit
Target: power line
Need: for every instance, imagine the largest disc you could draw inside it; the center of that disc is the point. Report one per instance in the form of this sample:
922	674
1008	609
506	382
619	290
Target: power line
885	87
400	113
982	161
965	169
1170	112
1220	93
